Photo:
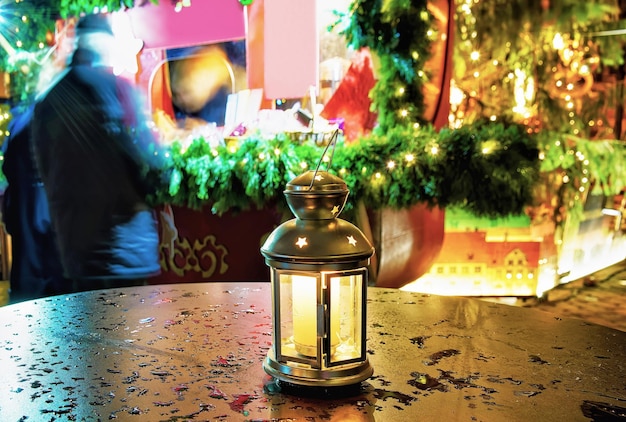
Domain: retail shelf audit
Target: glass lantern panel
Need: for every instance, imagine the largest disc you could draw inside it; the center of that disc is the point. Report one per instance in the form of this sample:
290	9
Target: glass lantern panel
298	317
346	317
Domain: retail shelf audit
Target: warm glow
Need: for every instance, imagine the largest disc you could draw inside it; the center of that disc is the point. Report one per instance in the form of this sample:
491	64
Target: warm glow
557	41
305	314
456	95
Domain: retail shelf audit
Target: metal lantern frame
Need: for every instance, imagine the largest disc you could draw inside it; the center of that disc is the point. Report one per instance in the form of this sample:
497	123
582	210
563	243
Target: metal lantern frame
317	247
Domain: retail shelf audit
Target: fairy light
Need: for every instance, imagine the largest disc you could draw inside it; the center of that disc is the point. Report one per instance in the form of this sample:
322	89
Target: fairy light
409	158
557	41
456	95
181	4
262	156
391	164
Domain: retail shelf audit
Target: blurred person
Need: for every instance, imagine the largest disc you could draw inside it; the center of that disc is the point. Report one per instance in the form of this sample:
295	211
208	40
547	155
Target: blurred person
92	147
36	269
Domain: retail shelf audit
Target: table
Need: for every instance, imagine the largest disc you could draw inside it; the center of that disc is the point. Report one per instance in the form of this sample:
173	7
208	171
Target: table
194	351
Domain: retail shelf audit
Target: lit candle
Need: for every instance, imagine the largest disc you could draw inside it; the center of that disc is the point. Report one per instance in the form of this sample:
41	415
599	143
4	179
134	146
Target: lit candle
305	314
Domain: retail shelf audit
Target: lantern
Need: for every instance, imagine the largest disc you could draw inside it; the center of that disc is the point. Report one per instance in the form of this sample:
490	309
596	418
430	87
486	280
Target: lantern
318	266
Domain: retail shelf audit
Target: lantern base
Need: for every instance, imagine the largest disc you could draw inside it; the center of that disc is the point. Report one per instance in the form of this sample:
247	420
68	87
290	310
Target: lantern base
319	392
342	376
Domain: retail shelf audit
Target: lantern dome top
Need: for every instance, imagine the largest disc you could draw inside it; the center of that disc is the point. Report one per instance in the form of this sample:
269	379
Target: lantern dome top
316	195
316	238
317	181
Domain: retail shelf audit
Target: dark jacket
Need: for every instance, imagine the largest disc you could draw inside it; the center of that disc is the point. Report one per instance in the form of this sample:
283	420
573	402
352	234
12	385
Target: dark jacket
92	144
35	267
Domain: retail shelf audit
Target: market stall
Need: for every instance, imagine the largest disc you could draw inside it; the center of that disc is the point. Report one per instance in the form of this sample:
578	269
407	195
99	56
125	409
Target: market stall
201	241
276	111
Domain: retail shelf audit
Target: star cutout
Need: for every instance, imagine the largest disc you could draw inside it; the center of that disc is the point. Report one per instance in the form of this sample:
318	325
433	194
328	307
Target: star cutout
128	47
318	177
301	242
335	210
351	240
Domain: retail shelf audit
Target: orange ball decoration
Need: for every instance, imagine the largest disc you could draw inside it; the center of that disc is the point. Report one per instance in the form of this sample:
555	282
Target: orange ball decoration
50	38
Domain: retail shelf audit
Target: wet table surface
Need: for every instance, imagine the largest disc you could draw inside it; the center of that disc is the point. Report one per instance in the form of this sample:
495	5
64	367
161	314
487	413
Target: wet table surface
184	352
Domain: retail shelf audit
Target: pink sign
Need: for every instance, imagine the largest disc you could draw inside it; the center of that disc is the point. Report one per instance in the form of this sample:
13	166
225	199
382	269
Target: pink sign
291	48
204	22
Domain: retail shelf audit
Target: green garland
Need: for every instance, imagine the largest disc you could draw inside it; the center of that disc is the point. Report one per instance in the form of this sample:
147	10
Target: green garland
488	169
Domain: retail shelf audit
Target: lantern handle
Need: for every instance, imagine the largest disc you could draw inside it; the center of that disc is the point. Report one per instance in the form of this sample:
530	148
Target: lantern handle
333	142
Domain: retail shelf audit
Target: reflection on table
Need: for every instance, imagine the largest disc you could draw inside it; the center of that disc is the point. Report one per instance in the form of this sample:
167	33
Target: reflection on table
194	352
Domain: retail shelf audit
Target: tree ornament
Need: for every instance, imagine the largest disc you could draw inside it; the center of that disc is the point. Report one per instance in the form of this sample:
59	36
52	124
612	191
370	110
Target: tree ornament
50	38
